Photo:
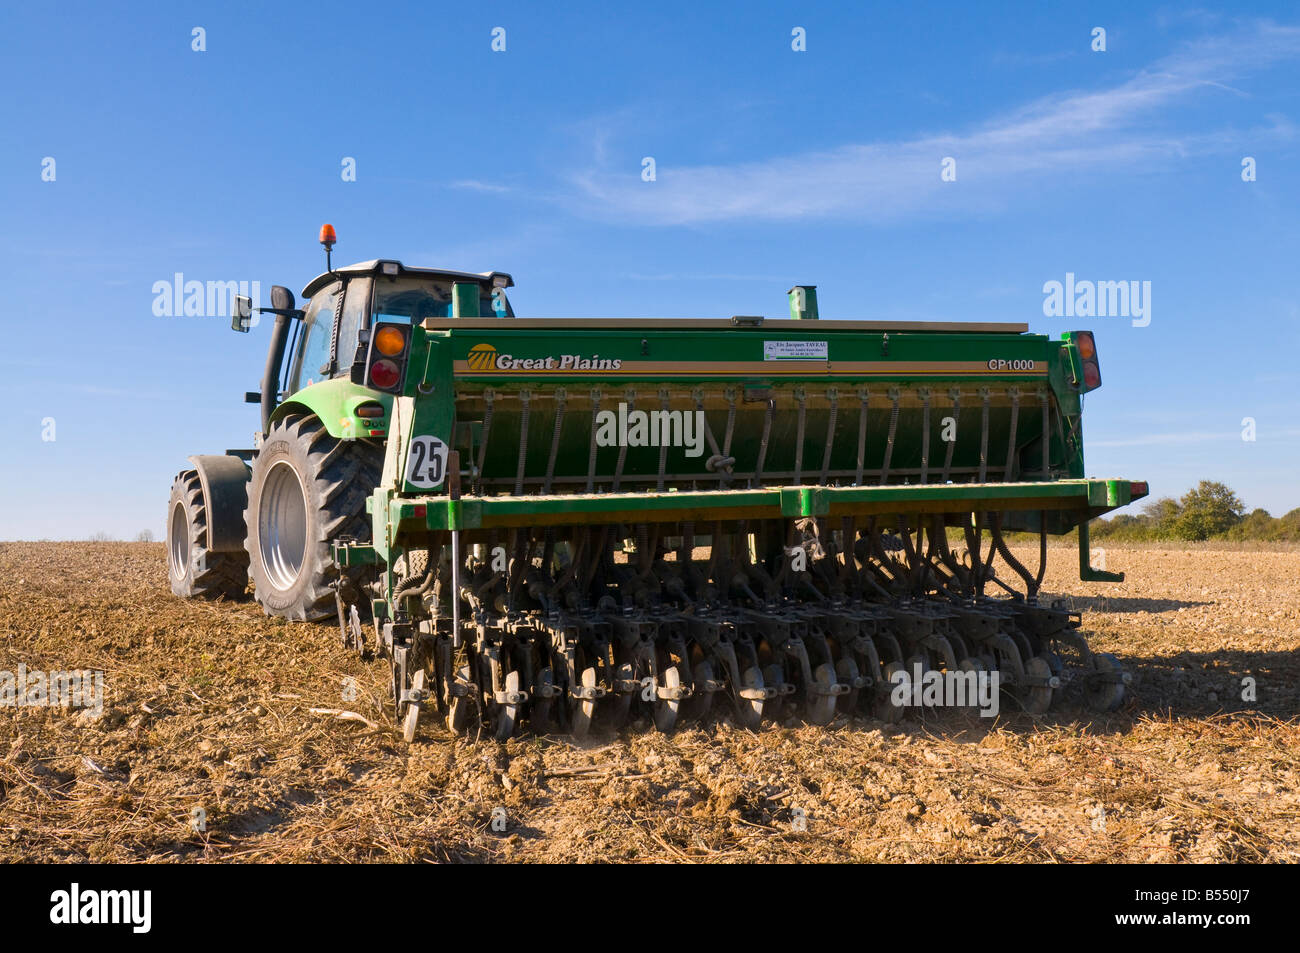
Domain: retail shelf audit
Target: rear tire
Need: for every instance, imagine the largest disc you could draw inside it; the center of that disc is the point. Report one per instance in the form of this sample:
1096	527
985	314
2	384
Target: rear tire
194	572
307	490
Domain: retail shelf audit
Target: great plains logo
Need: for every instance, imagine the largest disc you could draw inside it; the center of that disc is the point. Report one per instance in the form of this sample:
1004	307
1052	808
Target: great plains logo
485	357
74	906
482	357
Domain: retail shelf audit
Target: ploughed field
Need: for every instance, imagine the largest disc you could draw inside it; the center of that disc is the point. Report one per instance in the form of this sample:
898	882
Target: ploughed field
208	749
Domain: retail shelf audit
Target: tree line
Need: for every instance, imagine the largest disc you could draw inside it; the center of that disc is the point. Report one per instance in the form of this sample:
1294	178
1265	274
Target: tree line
1210	510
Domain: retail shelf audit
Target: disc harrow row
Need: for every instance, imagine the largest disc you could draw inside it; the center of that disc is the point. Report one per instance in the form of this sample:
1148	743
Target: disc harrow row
569	628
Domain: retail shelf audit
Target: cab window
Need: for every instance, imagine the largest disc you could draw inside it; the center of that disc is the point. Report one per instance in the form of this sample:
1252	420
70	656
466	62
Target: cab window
354	308
410	299
311	362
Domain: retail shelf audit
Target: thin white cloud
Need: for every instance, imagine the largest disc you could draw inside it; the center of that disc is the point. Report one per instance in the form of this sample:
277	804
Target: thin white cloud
474	185
1165	438
97	391
887	181
485	251
675	276
1187	437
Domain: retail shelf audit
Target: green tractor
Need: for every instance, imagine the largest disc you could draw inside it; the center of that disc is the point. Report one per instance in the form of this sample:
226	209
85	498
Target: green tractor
273	512
561	520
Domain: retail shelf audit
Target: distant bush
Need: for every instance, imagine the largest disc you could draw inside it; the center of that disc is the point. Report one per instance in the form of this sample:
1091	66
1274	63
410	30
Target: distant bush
1209	511
144	536
1259	525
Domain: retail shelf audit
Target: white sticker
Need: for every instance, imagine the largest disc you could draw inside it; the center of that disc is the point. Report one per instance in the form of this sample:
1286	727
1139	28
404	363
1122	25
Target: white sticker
426	462
795	351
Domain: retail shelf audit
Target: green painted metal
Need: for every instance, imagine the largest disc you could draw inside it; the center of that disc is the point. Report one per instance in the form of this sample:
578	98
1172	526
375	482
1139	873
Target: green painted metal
354	554
803	303
1075	497
1086	572
699	352
636	367
803	501
495	379
335	402
465	299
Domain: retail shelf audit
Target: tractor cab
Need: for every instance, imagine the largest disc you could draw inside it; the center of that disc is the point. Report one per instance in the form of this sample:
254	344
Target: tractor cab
272	512
321	341
346	301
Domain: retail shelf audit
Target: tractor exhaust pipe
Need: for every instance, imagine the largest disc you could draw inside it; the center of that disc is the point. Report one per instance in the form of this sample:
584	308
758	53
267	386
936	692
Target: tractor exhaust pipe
271	374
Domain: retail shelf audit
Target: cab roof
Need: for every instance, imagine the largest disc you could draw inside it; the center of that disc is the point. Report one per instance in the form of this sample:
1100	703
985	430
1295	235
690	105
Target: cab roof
488	279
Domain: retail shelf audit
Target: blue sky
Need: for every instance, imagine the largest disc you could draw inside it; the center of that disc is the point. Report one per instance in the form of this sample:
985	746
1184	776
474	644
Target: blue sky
774	167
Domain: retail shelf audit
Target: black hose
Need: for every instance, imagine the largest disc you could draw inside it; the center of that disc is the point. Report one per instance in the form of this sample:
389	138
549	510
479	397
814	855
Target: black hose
416	586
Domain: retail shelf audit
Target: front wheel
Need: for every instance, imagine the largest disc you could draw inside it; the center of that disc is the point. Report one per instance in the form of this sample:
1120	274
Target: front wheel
307	490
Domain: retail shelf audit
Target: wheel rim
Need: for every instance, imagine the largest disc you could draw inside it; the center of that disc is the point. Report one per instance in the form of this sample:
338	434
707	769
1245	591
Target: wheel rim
698	705
886	710
619	704
820	707
412	718
1106	696
666	708
583	708
750	710
539	713
178	538
282	526
847	671
458	705
1038	699
870	665
507	715
774	677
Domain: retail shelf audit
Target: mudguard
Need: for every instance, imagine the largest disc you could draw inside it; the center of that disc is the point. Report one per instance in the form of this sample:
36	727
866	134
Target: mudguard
335	402
225	492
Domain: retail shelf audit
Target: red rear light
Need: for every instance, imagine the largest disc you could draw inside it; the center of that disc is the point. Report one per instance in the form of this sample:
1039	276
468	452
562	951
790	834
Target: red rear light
384	374
1085	358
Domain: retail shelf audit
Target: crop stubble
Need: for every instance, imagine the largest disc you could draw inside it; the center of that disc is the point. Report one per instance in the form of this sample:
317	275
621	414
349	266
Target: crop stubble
208	706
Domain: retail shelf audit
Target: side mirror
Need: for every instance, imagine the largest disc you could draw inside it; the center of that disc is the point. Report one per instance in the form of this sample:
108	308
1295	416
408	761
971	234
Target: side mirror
242	319
241	315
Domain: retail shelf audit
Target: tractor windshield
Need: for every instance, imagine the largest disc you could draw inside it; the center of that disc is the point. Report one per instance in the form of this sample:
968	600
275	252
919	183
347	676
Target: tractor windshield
311	362
311	358
412	299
